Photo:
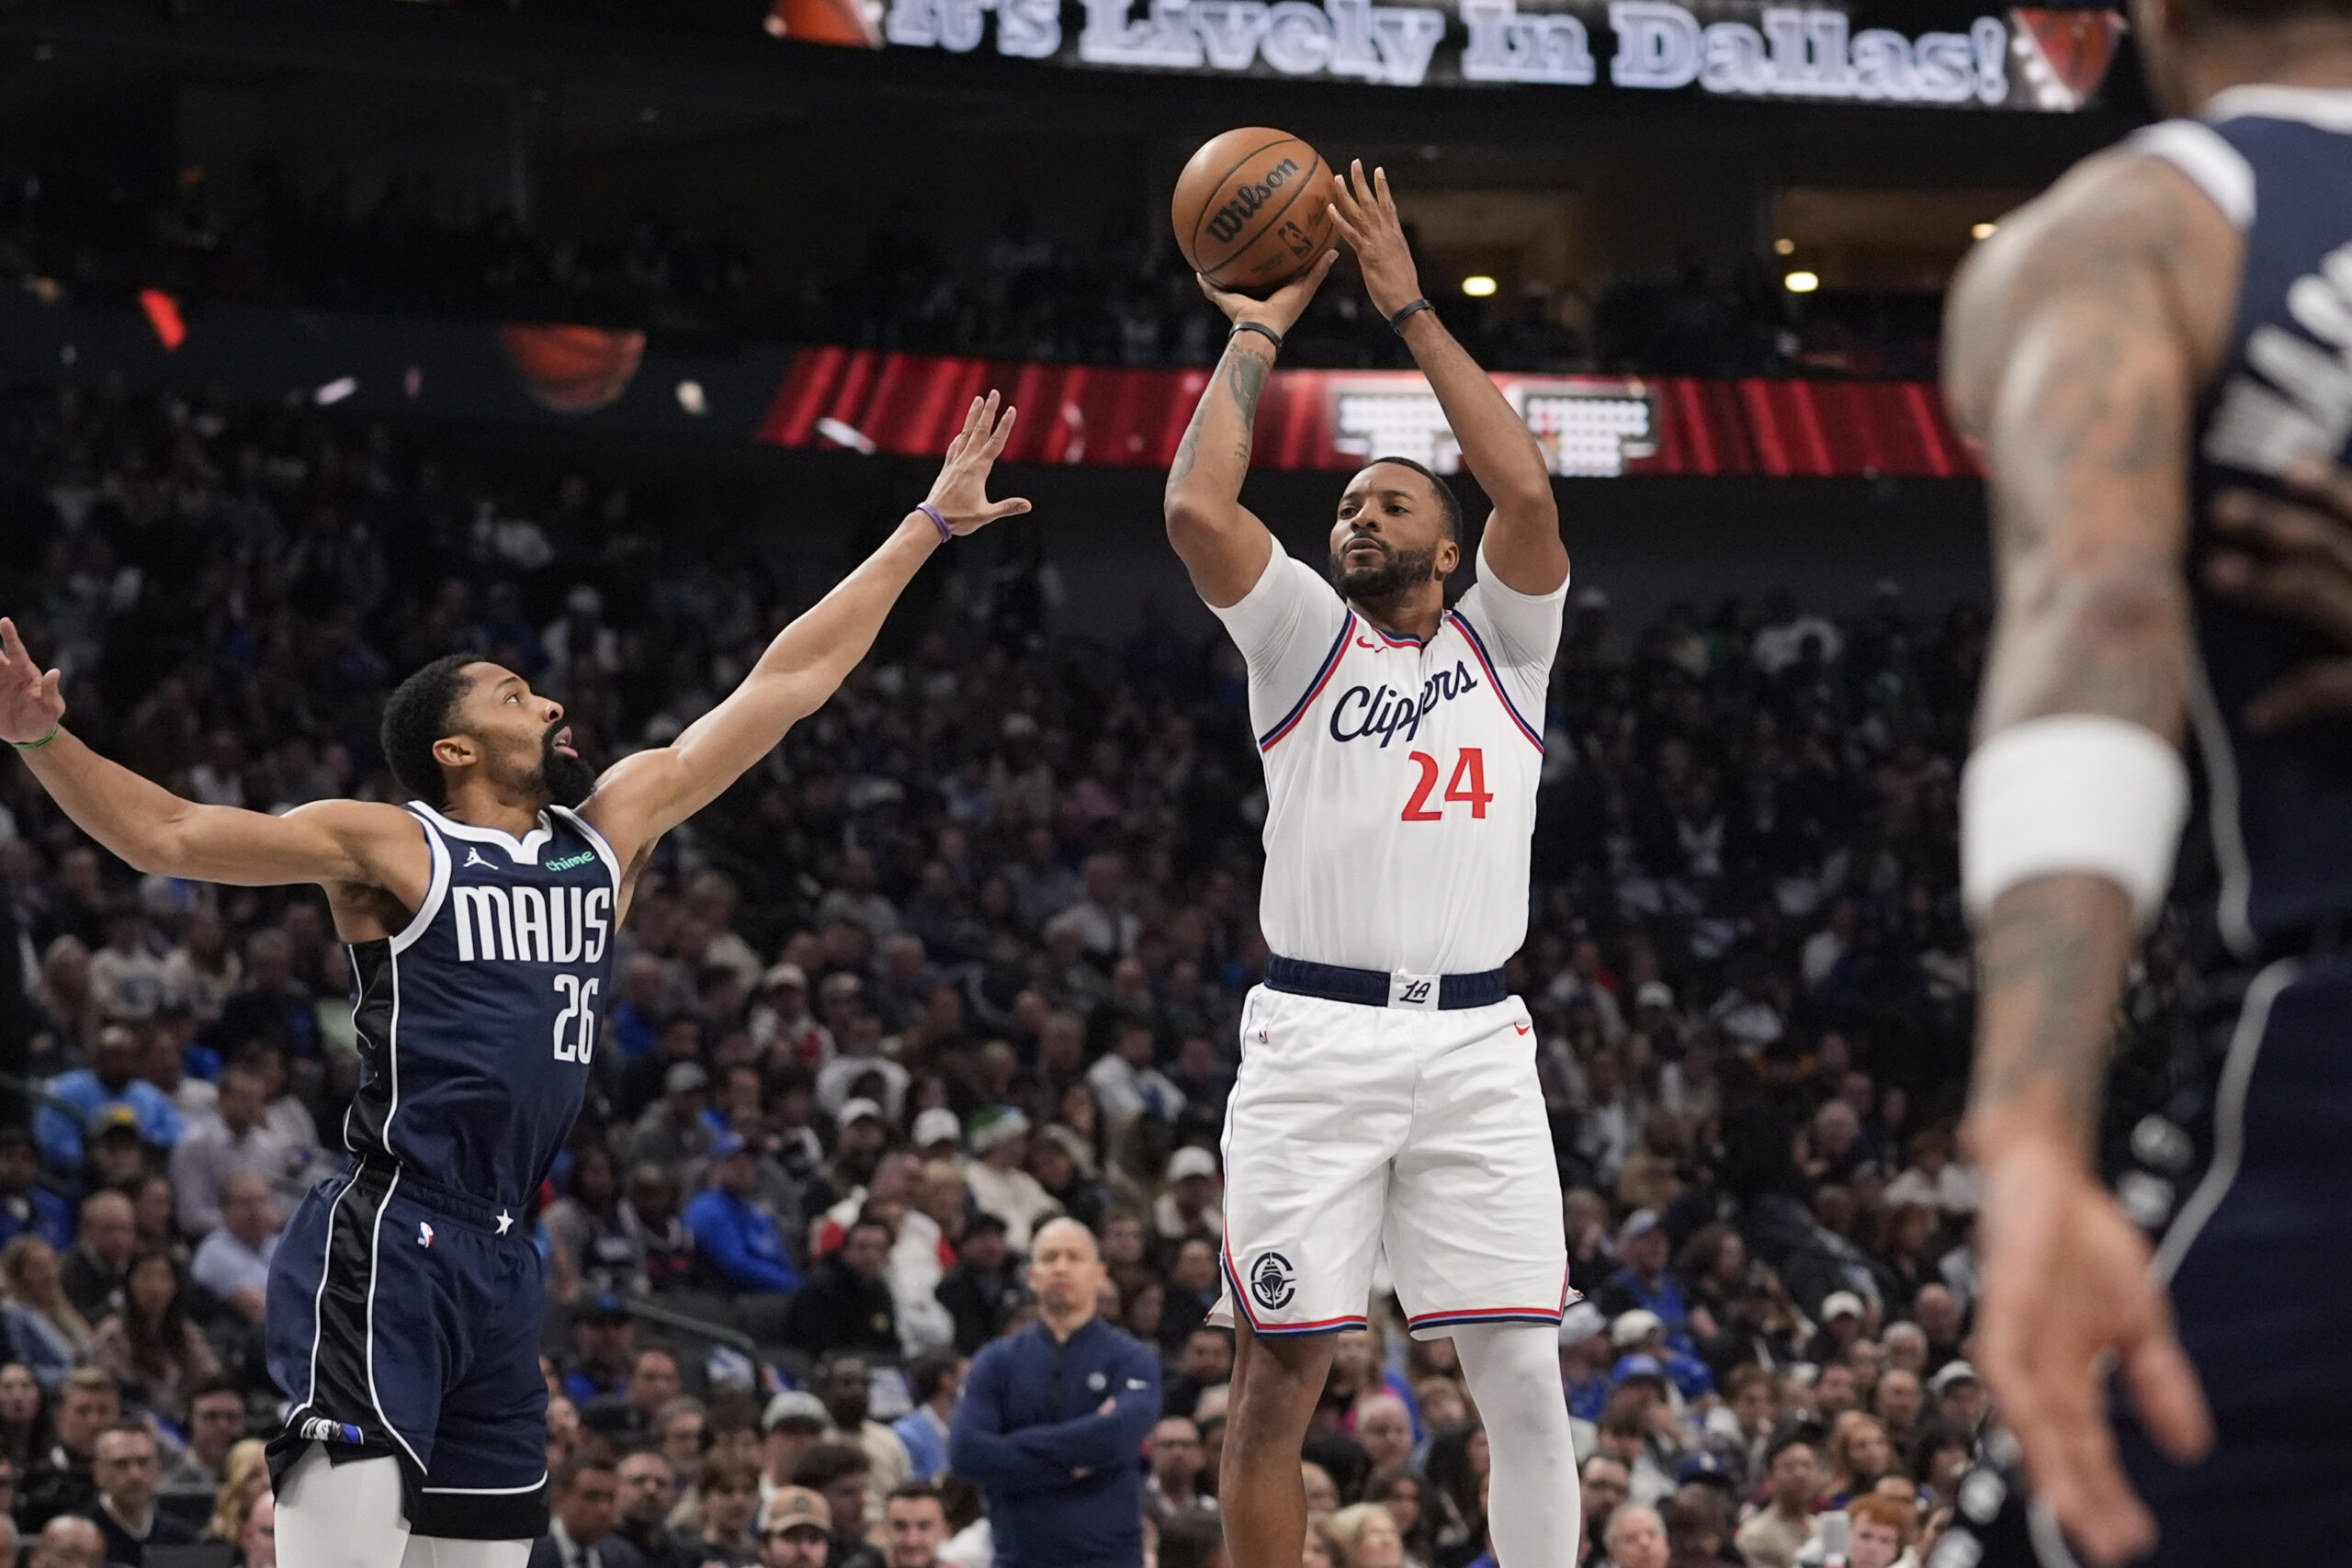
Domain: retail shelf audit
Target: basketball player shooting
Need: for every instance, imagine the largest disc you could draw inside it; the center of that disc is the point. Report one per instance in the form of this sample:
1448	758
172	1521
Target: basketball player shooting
405	1297
2173	319
1387	1095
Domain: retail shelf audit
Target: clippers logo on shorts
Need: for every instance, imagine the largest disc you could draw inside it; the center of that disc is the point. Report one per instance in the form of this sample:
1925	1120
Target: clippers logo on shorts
1272	1280
318	1429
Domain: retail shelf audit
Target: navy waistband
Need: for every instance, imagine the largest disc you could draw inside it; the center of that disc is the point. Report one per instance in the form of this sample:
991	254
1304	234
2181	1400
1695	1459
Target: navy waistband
1373	988
419	1189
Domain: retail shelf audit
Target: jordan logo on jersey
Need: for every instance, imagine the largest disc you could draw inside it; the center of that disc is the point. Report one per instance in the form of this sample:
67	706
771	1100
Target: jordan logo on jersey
532	925
473	857
1392	716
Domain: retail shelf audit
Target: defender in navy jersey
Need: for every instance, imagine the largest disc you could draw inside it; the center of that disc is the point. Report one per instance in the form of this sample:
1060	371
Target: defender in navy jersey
2164	337
406	1295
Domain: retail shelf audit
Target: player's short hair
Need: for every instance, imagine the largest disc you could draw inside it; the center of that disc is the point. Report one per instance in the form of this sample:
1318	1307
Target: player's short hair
416	714
1449	505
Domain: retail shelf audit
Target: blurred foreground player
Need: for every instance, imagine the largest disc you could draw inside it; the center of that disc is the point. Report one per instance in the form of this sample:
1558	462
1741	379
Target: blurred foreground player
405	1298
1387	1096
2174	317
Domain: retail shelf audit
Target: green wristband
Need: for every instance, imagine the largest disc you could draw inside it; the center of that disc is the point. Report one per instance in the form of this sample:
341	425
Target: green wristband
37	745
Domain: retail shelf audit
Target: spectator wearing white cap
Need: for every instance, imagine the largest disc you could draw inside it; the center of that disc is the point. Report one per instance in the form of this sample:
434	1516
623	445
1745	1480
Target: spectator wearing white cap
1844	1319
1586	1355
1126	1083
1188	1210
1000	1138
1960	1399
782	1026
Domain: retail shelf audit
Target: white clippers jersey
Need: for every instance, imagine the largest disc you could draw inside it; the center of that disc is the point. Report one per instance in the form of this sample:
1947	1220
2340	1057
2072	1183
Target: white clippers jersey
1400	778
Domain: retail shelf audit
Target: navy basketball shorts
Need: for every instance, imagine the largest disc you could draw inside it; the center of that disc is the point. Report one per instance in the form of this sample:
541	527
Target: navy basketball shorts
405	1322
2246	1189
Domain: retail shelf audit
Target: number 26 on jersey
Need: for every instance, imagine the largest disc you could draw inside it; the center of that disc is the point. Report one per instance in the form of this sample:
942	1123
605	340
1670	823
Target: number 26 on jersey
1465	786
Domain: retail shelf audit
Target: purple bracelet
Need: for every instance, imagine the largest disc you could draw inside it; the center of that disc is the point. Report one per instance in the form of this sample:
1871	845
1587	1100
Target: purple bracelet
928	510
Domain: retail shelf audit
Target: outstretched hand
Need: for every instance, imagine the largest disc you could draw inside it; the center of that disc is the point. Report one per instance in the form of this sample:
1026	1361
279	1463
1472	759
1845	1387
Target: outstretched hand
30	704
1365	215
961	491
1278	312
2068	1294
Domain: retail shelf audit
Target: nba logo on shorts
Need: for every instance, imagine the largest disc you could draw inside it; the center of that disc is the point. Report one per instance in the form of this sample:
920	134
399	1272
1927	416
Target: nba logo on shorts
1272	1280
424	1234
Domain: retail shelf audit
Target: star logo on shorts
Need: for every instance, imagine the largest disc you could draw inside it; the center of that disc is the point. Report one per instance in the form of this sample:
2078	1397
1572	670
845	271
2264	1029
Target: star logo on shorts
505	1222
1272	1280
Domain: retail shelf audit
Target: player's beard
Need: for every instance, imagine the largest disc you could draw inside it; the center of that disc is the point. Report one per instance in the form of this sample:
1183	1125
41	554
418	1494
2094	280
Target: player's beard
1399	573
565	780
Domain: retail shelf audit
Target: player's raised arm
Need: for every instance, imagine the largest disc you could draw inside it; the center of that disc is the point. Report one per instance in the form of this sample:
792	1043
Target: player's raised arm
1222	543
145	825
1522	538
645	795
2074	352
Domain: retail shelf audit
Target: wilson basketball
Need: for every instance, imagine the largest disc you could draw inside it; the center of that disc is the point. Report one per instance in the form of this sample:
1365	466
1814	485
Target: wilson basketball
568	369
1251	209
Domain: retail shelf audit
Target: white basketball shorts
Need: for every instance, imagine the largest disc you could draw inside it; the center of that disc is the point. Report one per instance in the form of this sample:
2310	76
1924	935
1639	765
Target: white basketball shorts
1352	1129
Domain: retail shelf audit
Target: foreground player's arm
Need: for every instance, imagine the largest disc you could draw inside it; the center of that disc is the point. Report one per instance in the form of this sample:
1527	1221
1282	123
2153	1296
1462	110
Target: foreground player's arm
645	795
2074	355
1521	542
154	830
1221	542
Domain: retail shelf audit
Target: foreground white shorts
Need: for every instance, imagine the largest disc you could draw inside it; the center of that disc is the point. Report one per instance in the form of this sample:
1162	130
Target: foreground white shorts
1353	1129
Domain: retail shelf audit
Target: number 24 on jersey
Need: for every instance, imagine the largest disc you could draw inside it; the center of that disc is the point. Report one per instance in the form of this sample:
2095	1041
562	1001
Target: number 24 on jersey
1466	786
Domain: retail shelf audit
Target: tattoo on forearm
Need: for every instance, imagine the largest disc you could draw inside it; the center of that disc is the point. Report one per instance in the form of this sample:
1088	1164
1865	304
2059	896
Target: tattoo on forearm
1247	384
2050	960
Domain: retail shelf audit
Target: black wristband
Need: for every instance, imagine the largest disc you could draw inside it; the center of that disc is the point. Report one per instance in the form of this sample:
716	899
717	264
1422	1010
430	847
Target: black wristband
1262	329
1401	317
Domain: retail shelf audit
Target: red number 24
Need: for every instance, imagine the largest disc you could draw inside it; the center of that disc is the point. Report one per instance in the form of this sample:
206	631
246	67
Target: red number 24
1468	785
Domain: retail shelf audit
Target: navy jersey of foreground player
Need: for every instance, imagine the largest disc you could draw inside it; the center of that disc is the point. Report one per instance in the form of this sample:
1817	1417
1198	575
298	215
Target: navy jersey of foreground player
404	1309
478	1022
2278	162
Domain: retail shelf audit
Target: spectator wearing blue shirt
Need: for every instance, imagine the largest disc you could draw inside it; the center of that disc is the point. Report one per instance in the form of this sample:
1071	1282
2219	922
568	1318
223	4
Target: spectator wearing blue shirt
1643	1283
937	1379
25	1206
110	1079
1053	1419
739	1240
1585	1356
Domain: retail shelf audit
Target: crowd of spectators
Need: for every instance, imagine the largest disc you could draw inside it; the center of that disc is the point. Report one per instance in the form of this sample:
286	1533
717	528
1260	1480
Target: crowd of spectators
1020	290
964	955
